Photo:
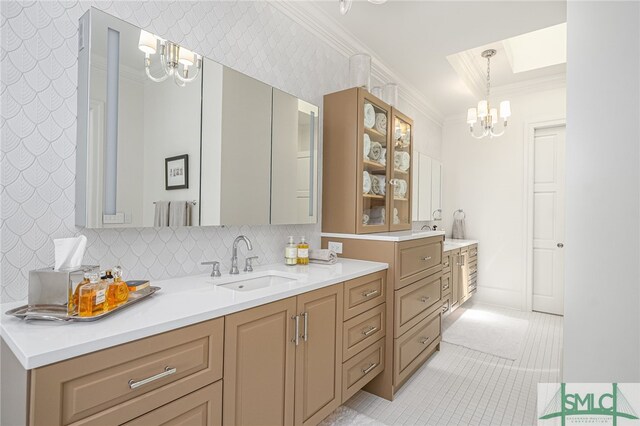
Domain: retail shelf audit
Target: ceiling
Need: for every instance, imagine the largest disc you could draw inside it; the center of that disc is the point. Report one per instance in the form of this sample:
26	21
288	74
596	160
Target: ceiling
414	38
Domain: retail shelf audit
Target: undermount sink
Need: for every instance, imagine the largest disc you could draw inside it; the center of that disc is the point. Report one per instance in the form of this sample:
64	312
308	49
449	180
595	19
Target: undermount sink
257	282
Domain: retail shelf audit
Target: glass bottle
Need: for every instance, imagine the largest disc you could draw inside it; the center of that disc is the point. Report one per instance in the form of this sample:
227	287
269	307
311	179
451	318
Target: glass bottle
291	253
303	252
92	298
72	306
117	291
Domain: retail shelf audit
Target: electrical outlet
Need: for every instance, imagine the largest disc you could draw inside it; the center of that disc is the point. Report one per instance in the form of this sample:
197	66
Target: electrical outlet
336	247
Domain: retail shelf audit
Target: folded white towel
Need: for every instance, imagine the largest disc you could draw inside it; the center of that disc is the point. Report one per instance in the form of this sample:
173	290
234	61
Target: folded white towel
369	116
376	151
323	256
366	182
383	156
381	123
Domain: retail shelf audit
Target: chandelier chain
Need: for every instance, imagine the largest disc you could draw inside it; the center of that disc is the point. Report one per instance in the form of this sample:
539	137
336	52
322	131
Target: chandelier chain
488	76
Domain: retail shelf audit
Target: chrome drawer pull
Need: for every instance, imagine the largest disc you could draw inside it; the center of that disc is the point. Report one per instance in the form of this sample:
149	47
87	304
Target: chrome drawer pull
370	330
445	308
425	299
370	293
425	340
426	258
369	368
167	372
445	287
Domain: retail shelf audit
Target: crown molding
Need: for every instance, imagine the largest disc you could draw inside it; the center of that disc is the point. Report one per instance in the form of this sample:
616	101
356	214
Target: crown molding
463	64
318	23
540	84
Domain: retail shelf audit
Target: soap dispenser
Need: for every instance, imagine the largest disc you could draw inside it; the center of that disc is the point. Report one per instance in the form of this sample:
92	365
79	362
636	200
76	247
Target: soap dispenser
303	252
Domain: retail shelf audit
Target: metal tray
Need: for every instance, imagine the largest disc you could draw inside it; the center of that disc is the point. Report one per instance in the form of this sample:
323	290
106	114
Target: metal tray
59	312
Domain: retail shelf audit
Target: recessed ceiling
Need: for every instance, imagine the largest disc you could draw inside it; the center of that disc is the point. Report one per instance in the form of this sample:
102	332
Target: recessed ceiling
414	38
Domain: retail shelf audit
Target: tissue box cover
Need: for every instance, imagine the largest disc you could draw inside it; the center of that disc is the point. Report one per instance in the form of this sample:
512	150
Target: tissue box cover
50	287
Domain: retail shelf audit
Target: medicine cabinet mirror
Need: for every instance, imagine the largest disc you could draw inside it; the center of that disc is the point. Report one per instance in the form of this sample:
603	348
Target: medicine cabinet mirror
167	137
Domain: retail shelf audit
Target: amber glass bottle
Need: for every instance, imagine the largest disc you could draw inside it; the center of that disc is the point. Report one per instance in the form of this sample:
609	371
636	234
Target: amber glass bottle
92	298
303	252
118	291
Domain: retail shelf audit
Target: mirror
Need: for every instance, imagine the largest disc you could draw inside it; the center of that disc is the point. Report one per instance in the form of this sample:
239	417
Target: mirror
427	189
167	137
294	160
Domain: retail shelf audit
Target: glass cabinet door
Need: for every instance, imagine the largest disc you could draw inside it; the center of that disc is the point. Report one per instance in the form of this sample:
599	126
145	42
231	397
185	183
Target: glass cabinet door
400	172
374	124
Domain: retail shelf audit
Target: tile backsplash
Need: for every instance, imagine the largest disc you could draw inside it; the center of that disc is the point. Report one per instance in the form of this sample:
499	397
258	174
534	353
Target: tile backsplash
38	127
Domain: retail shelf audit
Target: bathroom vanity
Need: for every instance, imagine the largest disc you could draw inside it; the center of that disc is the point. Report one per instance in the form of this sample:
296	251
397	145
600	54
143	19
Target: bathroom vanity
198	351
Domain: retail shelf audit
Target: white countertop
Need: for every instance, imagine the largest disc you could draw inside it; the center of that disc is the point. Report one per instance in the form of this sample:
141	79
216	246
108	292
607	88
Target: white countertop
451	244
181	302
386	236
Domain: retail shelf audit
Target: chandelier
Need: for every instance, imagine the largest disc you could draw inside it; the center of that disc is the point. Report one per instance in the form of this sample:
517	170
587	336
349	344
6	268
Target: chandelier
487	116
345	5
175	60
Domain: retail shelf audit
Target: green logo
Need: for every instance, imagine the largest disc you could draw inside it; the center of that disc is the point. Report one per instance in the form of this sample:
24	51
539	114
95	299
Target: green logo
611	404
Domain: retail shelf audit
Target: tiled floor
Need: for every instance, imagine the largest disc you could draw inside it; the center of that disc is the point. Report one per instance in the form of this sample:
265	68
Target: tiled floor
459	386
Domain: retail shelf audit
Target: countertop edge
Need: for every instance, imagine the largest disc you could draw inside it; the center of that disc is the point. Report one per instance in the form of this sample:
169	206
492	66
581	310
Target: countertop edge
415	235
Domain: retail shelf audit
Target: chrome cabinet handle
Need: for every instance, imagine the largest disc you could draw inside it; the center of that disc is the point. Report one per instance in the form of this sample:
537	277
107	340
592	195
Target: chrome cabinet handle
425	340
134	384
445	287
370	293
445	308
369	368
370	330
296	339
306	326
425	299
426	258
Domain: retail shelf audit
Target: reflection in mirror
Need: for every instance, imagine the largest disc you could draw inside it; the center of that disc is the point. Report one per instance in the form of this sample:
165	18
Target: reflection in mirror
236	148
294	183
133	124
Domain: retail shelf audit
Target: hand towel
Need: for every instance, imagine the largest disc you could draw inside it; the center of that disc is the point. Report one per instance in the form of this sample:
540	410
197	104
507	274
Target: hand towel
369	116
375	185
366	182
179	213
161	215
458	229
381	123
376	150
322	256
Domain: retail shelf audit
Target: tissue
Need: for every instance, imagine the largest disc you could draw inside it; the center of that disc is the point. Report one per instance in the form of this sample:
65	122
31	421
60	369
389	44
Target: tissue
69	252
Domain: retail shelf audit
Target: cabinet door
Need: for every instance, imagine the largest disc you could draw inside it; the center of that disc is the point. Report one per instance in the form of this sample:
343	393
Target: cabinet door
318	355
259	365
455	279
400	172
464	276
374	158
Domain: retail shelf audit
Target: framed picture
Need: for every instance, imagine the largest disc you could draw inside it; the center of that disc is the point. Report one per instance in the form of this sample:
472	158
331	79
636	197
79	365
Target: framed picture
176	172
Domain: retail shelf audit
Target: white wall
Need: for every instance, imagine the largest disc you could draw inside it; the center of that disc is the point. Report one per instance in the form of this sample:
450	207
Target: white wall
38	127
602	289
486	179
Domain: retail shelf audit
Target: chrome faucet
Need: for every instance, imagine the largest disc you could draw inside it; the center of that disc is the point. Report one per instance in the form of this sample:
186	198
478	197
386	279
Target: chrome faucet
234	257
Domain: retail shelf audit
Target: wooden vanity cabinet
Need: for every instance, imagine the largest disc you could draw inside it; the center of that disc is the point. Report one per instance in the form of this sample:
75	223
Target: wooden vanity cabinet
283	360
462	276
414	297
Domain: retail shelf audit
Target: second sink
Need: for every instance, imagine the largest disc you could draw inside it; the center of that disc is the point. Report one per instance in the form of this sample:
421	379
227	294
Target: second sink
256	282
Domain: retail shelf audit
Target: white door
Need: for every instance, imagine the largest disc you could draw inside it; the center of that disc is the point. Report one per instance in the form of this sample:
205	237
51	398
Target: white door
548	220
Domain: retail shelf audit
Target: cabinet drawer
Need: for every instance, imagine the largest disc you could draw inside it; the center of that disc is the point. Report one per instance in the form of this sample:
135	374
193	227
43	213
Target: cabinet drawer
415	346
361	331
419	256
200	408
415	302
473	251
363	294
446	305
360	369
142	375
446	283
446	261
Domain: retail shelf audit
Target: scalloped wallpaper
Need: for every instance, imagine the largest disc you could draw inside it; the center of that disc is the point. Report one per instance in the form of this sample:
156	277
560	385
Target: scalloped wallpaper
38	127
